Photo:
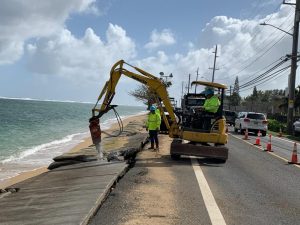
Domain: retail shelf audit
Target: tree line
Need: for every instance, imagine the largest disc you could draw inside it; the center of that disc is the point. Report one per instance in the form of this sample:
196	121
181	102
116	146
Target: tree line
266	101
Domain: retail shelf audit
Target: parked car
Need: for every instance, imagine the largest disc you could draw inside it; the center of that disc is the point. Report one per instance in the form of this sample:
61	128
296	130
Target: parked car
230	117
253	121
296	128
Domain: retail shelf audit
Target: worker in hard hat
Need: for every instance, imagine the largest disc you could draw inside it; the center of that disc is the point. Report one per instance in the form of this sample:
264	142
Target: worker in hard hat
153	126
212	102
211	106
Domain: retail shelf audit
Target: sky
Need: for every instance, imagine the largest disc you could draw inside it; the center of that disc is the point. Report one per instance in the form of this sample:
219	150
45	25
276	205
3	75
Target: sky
63	50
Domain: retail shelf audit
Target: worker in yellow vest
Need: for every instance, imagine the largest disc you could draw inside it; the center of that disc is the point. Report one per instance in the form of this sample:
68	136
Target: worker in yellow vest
212	102
210	107
153	126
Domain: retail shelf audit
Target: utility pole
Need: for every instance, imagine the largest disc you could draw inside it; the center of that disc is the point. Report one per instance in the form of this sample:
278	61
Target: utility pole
189	83
229	102
196	79
214	68
292	77
182	86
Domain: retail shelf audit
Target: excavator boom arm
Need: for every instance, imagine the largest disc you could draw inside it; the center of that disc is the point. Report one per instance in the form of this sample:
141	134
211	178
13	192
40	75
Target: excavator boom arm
151	81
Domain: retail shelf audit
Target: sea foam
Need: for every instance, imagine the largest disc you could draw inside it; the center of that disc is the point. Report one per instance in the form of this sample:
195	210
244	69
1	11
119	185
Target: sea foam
60	143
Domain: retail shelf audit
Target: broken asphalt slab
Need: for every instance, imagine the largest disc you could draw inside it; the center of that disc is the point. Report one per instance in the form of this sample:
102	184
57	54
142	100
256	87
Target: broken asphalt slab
70	194
67	195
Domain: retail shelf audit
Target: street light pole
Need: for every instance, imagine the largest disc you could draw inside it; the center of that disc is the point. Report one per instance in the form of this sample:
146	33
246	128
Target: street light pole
292	77
267	24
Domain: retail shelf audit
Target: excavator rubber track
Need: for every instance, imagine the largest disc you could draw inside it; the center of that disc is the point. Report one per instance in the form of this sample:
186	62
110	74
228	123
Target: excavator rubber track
179	148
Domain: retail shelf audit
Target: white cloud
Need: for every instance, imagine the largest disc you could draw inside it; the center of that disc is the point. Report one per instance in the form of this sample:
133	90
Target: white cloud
54	50
243	41
158	39
240	42
80	59
22	20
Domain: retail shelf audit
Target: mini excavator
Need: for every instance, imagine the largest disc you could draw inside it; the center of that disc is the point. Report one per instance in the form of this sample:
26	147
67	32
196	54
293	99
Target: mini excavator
189	136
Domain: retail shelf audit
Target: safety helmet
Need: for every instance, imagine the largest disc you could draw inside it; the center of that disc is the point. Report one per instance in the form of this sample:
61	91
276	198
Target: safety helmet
208	91
152	108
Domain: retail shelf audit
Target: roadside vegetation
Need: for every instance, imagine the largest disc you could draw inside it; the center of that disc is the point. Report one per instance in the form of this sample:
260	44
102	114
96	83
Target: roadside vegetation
273	103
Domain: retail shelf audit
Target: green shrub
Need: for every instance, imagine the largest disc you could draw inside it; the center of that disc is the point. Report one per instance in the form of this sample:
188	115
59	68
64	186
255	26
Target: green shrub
274	125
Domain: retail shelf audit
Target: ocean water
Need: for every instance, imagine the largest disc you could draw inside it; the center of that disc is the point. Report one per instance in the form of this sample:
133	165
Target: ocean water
32	132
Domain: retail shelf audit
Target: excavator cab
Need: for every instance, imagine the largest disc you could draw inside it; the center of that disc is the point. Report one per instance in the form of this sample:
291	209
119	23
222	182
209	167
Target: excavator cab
195	116
203	133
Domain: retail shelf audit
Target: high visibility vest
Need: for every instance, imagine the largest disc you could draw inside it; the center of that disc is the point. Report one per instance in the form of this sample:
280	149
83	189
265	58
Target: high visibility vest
212	104
153	121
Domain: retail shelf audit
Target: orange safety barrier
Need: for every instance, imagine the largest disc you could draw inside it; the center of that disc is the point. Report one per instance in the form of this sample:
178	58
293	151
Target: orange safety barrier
294	159
269	144
257	140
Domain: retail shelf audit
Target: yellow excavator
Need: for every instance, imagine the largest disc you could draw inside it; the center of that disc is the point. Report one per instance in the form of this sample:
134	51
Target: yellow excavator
189	138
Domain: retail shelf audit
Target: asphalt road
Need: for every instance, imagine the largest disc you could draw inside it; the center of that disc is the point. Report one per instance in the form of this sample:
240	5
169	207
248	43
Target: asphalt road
253	187
282	147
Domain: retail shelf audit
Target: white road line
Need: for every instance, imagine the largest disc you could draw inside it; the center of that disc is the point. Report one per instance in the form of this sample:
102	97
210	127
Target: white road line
214	212
285	140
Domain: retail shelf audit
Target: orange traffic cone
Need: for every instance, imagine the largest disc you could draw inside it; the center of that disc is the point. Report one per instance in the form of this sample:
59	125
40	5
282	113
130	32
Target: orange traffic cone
294	159
257	141
246	135
269	145
280	133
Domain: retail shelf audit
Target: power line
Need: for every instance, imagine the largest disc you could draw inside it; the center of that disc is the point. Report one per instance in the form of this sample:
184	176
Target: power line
260	70
269	46
277	8
264	79
264	74
252	62
258	30
256	59
277	75
260	56
270	76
